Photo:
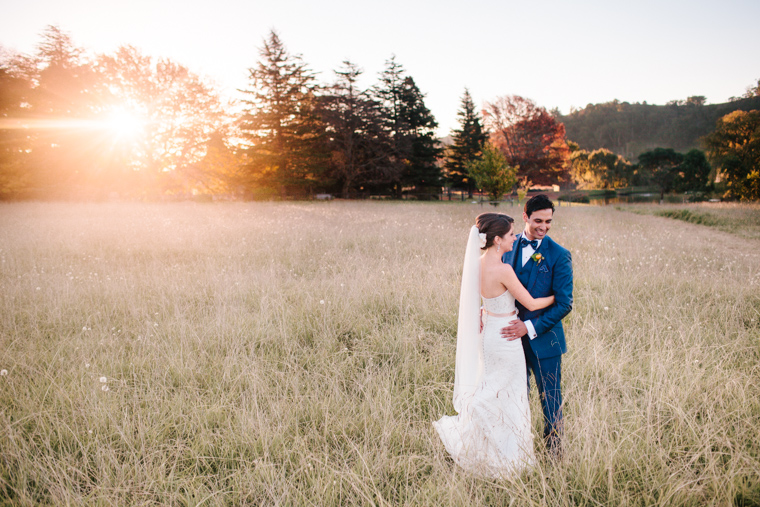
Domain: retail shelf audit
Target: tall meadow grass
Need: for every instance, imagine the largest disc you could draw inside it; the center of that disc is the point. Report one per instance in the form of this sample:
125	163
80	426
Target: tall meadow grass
297	353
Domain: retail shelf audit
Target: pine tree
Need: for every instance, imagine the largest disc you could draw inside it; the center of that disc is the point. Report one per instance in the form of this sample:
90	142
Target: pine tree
421	172
468	145
388	94
360	148
411	127
281	122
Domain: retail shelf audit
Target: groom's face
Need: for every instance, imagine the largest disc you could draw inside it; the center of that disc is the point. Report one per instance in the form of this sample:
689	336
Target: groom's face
538	223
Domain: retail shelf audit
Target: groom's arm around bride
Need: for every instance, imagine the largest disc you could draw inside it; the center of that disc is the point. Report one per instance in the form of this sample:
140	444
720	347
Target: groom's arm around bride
548	338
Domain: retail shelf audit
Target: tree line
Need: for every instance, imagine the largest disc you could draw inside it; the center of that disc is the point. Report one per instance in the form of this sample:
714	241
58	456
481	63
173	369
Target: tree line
726	166
126	124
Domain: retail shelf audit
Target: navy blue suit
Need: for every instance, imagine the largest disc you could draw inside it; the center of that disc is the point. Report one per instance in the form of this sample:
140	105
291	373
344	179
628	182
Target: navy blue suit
553	275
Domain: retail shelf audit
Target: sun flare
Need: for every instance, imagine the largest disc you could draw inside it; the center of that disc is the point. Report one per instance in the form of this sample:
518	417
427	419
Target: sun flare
125	124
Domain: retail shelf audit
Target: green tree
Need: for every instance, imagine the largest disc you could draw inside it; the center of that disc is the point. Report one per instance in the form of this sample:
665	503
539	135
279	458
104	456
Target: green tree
421	172
693	173
734	148
492	173
411	128
752	91
360	148
660	168
281	123
468	145
696	100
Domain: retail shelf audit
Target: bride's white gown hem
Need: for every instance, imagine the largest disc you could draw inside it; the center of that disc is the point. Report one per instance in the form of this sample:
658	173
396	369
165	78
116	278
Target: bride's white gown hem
492	435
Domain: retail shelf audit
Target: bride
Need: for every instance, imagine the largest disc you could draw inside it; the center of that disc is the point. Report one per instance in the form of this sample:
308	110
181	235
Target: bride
491	436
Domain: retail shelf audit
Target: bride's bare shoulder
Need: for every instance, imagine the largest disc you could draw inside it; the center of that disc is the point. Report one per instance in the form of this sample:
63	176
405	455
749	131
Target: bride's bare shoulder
507	268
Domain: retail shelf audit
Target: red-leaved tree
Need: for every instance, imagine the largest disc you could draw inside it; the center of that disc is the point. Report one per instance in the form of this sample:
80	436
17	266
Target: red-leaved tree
529	137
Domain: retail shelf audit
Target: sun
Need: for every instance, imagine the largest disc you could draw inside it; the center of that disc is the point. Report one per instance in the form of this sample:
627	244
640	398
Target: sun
125	124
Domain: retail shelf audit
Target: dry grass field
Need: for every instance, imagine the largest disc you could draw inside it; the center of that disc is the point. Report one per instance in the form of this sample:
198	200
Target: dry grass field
297	353
739	219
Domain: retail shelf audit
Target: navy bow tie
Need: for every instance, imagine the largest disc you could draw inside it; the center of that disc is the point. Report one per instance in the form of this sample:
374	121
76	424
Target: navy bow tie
525	242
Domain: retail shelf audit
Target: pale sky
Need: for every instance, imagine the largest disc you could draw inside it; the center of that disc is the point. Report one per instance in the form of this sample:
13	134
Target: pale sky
558	53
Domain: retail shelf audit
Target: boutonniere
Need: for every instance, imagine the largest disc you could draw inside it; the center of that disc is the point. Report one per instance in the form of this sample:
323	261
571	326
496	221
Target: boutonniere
537	258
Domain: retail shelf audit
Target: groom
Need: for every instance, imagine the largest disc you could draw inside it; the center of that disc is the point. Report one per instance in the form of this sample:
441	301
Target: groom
544	268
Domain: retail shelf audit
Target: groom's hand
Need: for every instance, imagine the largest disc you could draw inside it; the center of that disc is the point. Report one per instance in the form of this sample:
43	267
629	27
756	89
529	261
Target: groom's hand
514	331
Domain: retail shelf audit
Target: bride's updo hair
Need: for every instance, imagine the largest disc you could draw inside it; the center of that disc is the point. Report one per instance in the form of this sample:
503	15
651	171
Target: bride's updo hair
493	224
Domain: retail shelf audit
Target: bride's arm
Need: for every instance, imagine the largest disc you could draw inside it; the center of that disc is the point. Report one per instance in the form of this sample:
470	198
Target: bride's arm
513	285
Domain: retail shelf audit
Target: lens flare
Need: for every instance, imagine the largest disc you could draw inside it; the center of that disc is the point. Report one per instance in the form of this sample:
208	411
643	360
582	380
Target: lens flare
125	124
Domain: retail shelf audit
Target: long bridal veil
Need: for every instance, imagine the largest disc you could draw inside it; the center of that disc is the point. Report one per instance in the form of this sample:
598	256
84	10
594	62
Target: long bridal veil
469	359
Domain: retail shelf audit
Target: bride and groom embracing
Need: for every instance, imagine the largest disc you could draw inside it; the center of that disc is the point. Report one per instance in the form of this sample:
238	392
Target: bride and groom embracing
513	299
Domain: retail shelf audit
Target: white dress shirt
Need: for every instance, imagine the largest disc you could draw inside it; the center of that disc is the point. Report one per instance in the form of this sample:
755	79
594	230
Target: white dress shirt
527	251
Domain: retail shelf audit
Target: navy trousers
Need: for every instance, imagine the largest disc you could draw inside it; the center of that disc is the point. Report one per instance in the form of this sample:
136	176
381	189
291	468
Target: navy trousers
548	374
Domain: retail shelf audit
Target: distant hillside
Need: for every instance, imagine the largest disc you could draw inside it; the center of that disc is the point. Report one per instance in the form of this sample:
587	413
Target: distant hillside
631	129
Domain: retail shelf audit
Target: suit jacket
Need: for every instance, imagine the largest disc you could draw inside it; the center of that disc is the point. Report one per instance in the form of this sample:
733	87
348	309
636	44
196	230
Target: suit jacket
553	275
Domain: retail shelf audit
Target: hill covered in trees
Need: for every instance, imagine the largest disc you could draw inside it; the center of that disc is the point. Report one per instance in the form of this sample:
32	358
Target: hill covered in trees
631	129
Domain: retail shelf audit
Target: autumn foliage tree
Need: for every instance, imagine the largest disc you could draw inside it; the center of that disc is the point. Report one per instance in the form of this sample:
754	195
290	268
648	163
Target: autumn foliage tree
600	169
91	126
16	86
169	115
734	148
530	138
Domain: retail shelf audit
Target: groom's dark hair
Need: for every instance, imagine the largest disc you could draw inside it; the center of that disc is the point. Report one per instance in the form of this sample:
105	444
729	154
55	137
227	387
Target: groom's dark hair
537	203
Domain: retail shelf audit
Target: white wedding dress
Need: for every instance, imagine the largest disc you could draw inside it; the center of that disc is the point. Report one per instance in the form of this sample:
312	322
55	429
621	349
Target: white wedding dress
492	436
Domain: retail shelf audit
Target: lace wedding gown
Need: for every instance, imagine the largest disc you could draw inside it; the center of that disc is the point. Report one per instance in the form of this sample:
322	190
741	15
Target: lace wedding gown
491	436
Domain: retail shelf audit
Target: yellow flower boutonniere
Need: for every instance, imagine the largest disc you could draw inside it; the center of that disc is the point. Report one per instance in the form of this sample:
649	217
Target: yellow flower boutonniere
537	258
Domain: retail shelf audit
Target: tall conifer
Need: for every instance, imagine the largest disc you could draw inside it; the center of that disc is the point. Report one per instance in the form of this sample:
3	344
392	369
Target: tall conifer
281	123
360	147
411	127
467	147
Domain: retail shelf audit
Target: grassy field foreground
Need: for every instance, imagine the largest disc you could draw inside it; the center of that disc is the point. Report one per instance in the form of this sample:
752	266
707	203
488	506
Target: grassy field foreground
296	354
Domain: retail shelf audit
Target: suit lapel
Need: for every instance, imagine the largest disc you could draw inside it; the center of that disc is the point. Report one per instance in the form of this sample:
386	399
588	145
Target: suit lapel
534	265
517	253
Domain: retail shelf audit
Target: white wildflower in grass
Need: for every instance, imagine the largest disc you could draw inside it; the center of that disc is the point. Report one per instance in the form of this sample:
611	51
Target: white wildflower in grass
103	380
606	308
321	301
104	388
86	365
3	373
